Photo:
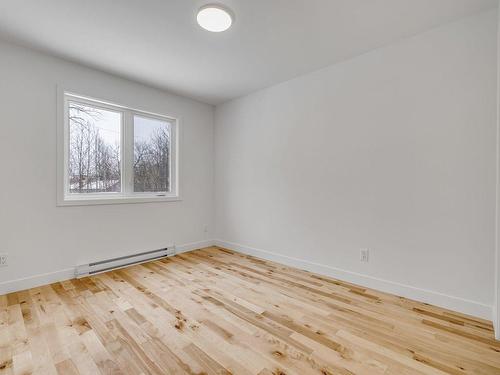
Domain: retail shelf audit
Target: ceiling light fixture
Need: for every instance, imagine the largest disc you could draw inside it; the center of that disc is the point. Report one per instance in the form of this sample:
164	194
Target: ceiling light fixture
214	18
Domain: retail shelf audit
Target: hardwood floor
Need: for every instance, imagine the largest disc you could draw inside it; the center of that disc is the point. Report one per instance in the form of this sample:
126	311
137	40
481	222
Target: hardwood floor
213	311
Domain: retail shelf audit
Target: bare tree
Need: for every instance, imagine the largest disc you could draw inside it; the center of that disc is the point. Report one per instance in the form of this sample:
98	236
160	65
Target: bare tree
94	165
151	162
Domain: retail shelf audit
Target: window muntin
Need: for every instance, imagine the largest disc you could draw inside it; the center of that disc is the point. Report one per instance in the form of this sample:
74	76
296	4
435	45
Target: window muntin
115	154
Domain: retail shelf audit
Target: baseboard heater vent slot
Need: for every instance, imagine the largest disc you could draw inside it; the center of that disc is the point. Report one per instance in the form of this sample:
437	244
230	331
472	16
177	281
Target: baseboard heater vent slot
120	262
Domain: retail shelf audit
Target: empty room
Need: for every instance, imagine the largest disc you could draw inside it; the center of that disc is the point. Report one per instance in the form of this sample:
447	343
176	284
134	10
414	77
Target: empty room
249	187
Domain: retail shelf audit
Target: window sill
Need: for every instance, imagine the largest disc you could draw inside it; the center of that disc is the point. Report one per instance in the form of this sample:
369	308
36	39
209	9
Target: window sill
94	201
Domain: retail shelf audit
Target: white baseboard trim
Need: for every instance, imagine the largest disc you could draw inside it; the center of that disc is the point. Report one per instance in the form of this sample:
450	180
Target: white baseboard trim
69	273
179	249
495	324
427	296
36	280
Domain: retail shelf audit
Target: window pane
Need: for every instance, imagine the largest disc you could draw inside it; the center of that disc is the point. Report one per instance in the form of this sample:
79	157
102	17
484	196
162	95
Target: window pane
151	155
94	149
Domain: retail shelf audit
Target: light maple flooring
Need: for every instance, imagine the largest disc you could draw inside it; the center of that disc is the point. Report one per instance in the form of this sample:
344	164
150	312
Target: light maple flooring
213	311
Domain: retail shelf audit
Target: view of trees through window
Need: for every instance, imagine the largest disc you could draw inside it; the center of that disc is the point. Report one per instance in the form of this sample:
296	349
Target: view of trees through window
94	149
94	157
151	155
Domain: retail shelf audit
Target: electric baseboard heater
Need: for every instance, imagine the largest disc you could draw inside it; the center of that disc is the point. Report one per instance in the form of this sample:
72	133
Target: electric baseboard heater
120	262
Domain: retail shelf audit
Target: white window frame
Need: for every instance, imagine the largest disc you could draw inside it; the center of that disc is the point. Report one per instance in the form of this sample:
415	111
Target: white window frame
127	194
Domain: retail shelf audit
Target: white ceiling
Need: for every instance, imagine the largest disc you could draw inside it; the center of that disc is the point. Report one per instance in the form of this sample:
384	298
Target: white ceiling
159	43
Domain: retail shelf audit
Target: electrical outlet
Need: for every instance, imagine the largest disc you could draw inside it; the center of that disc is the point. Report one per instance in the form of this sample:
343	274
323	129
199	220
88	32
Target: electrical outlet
364	255
3	260
205	228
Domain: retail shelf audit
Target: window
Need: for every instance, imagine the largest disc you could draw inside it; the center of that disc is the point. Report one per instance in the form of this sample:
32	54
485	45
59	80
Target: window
115	154
151	156
94	157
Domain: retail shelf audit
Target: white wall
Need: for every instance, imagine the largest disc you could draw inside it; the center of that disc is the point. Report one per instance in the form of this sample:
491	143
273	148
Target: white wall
42	238
392	151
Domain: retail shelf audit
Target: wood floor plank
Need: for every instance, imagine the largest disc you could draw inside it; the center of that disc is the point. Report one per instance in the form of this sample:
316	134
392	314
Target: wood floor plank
214	311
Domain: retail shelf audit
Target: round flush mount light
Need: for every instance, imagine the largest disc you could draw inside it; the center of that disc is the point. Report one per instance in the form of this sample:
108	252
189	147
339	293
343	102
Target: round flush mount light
214	18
